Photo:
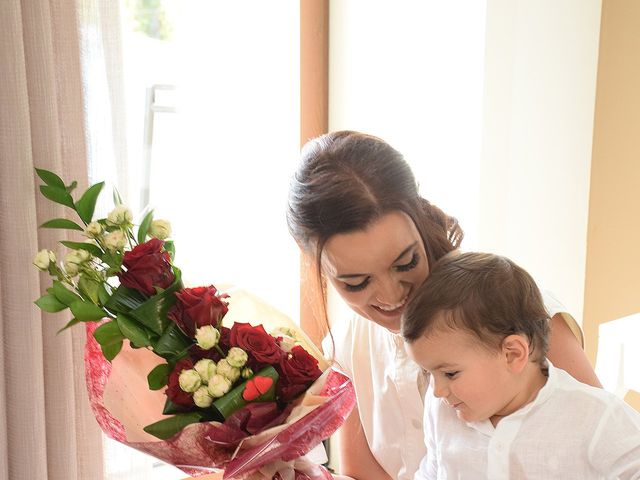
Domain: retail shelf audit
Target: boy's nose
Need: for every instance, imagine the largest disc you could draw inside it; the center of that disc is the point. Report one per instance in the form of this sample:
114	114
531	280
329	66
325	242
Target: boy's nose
439	389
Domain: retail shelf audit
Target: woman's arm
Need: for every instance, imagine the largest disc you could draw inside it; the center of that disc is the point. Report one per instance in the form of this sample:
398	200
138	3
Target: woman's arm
356	459
565	352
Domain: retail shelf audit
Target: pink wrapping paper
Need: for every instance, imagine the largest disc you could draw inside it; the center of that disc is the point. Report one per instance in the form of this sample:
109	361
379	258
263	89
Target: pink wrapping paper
123	405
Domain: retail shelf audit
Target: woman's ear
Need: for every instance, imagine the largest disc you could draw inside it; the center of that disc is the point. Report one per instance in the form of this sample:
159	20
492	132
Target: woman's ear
515	349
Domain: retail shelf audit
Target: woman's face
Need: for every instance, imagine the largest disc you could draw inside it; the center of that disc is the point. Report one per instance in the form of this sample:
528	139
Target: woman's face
376	270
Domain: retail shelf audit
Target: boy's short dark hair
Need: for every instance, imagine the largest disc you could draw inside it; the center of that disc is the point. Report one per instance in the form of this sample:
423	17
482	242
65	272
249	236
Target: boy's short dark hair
488	295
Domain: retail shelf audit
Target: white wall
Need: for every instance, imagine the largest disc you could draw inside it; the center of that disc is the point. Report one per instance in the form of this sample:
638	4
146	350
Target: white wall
411	73
539	102
497	126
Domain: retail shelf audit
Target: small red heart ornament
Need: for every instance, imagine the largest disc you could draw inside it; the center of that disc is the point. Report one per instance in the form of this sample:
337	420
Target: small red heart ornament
255	387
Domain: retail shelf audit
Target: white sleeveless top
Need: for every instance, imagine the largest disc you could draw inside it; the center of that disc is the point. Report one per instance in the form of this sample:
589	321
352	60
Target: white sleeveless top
390	389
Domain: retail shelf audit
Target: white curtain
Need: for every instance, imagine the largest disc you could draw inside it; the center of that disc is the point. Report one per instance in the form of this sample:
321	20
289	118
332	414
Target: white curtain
46	427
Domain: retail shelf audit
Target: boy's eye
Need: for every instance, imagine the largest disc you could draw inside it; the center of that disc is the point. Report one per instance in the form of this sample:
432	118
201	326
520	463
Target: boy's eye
358	287
450	375
409	266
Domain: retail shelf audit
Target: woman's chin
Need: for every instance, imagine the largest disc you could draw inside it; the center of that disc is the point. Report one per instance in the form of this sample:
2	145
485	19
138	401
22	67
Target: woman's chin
389	320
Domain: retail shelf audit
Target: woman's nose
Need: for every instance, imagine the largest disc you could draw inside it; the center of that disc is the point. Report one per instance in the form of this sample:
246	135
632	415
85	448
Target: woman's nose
390	291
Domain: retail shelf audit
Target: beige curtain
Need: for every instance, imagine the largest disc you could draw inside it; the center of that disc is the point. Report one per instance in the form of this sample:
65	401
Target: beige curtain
46	426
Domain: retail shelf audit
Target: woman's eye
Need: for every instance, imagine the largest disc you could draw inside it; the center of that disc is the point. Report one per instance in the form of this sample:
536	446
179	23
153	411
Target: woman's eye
409	266
358	287
450	375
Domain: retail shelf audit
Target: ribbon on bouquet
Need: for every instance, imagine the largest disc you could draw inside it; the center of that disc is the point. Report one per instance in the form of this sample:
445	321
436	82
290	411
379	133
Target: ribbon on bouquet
308	465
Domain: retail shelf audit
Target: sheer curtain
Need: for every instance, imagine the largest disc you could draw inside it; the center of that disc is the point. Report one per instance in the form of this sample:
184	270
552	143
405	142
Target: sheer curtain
46	426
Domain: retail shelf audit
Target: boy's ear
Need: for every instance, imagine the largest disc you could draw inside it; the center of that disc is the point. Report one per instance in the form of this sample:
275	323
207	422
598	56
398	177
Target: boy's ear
515	349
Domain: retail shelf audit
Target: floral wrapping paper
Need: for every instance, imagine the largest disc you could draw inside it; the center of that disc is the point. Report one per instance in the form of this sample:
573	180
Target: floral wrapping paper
123	405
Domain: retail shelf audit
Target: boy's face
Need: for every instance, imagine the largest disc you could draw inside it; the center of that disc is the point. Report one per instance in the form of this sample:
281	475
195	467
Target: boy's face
469	377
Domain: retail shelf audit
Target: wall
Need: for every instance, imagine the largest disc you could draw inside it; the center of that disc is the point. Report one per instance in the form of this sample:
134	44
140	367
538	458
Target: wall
612	284
540	83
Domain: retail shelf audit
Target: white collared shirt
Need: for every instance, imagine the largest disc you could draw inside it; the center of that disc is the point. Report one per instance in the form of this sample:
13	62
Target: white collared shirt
571	430
390	388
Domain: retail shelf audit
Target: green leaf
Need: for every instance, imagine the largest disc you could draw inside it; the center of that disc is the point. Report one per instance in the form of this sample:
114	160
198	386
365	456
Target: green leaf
158	377
87	311
71	323
170	248
103	294
173	343
167	428
144	226
71	187
61	223
108	334
94	250
87	203
153	312
50	178
50	304
58	195
133	331
117	199
125	299
111	351
90	288
63	294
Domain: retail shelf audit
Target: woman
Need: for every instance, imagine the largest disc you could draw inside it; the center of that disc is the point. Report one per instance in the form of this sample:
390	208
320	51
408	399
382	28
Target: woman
354	206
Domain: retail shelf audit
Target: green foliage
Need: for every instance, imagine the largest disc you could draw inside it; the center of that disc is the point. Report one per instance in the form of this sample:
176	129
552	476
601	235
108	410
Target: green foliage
50	304
62	223
167	428
86	311
150	17
144	226
63	294
158	377
87	203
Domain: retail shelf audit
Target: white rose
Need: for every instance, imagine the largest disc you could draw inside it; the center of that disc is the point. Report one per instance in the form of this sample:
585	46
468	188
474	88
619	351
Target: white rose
115	240
218	386
226	370
202	398
247	373
287	336
121	215
206	368
74	260
43	259
189	380
287	343
207	337
237	357
160	229
93	229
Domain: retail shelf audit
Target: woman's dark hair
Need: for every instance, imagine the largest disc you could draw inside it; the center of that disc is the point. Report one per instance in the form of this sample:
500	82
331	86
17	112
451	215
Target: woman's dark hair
487	295
346	181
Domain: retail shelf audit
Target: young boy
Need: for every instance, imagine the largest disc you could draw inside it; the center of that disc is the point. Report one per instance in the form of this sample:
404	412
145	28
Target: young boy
497	408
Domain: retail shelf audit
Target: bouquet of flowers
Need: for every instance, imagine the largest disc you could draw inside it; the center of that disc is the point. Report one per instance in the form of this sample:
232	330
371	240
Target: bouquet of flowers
171	370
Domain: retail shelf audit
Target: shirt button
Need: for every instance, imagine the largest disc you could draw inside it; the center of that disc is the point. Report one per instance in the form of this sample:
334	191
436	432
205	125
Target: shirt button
417	424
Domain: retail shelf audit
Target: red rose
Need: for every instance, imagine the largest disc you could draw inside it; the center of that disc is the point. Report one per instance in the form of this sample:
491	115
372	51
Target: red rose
174	392
197	307
297	372
256	342
147	266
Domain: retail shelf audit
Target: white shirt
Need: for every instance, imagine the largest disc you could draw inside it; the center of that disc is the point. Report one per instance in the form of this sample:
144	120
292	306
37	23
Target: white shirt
571	430
389	389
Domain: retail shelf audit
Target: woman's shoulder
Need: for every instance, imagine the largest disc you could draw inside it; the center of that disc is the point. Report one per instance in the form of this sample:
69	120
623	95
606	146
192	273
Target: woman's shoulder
556	307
